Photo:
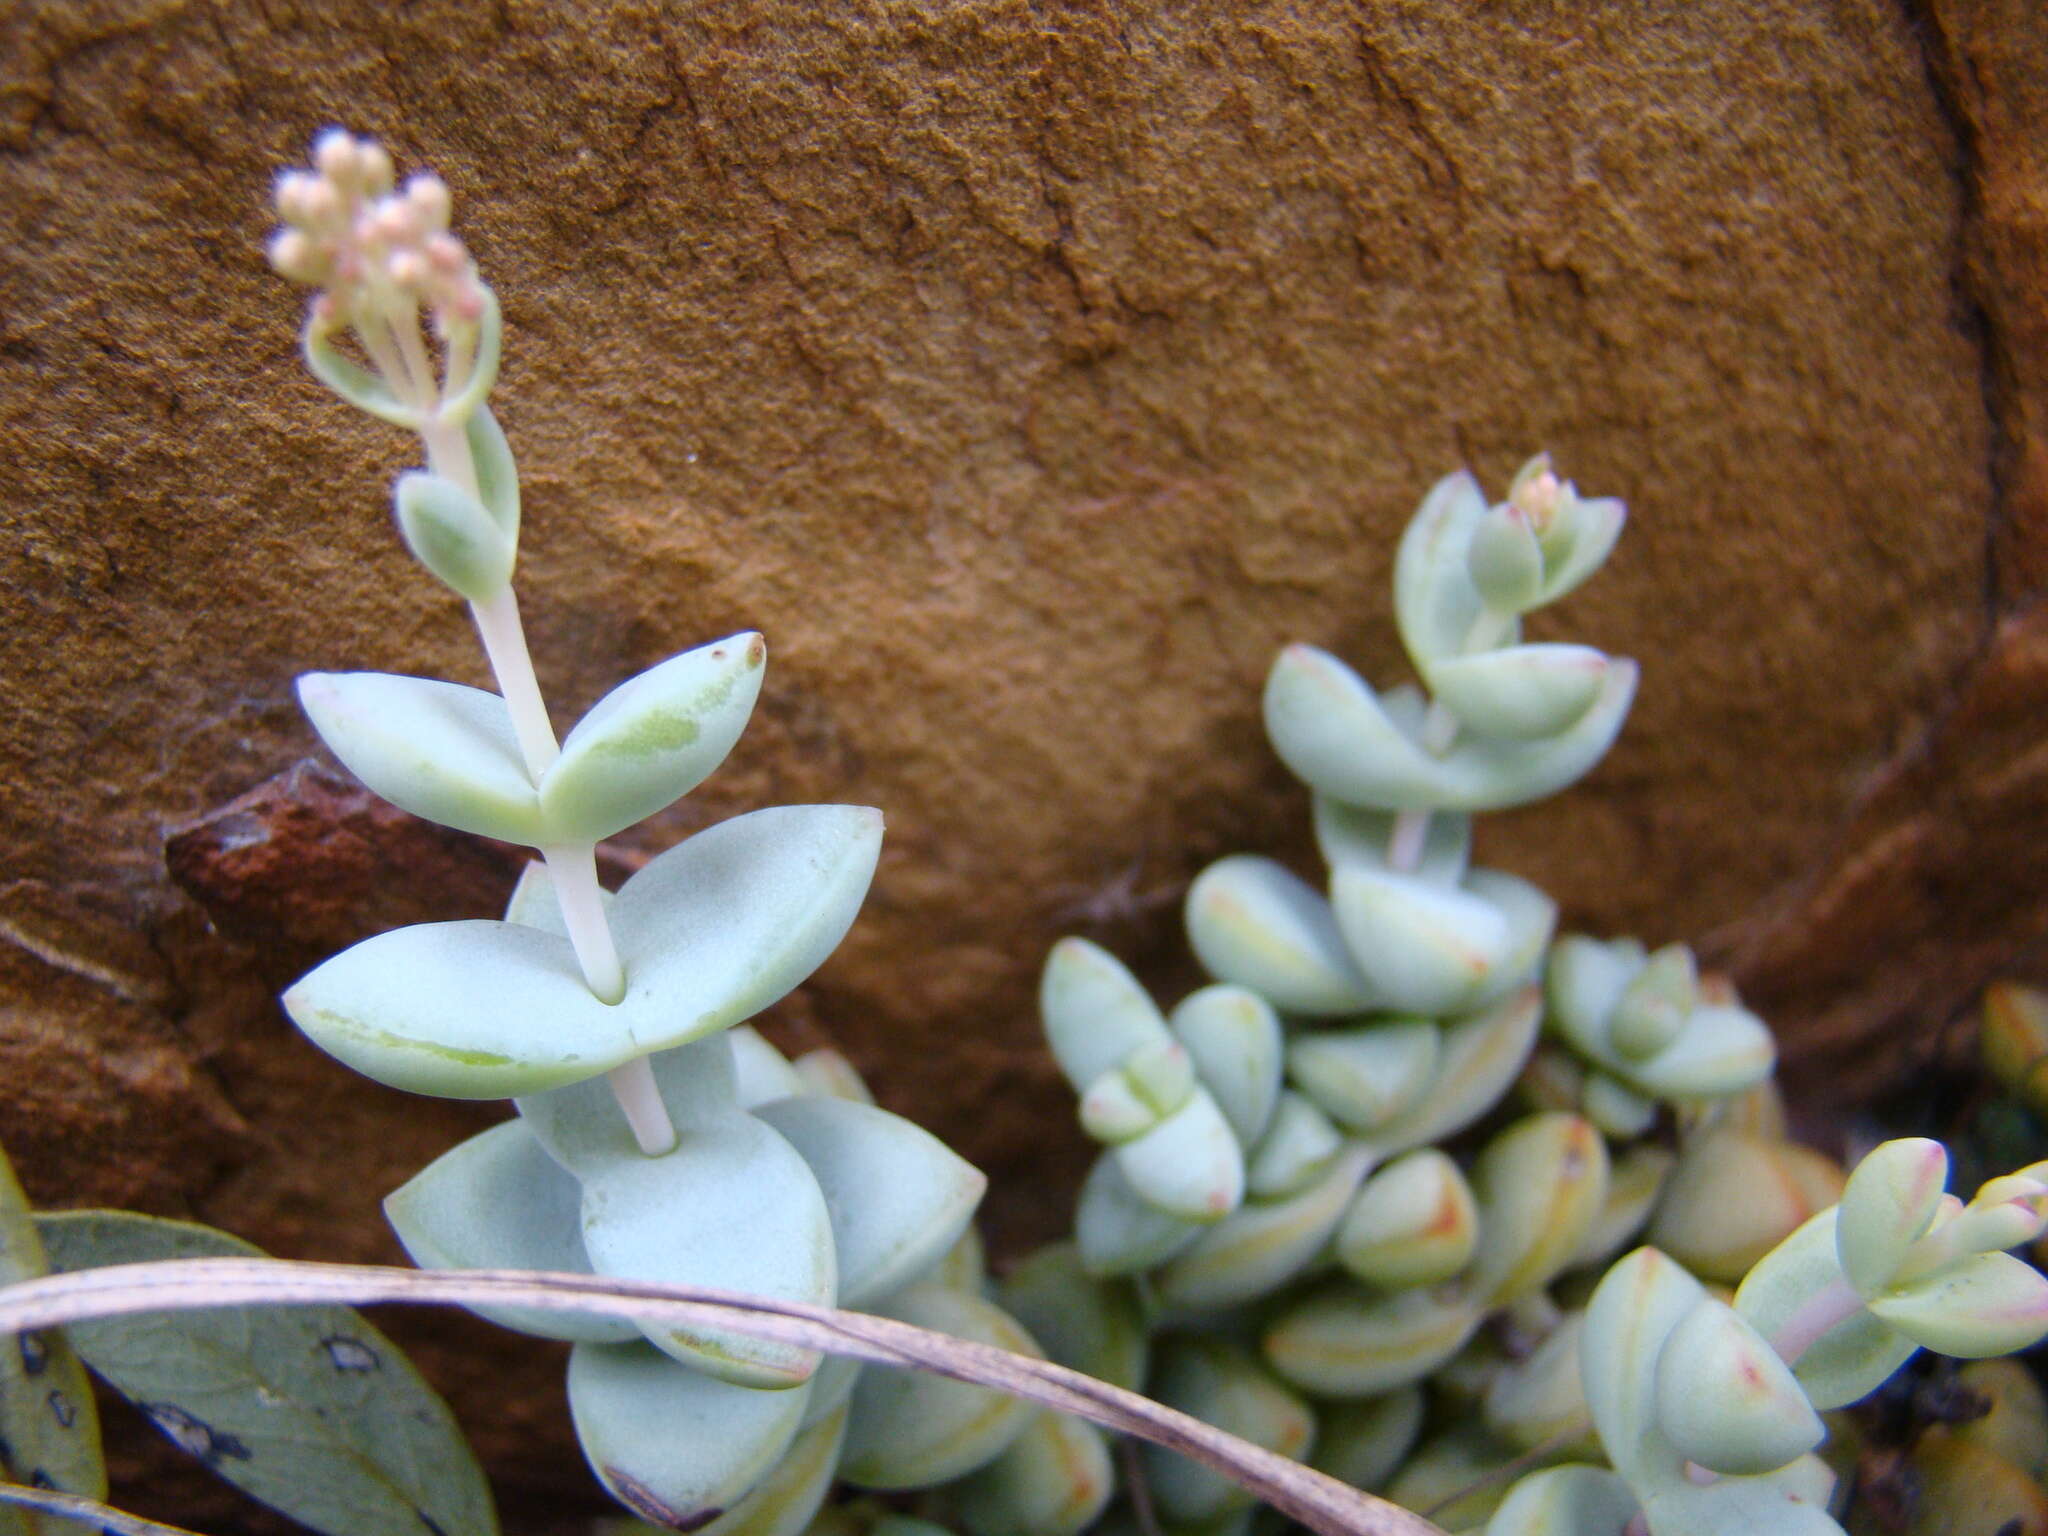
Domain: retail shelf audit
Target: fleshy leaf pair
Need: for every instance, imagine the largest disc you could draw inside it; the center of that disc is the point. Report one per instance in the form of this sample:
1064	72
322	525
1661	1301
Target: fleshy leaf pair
1648	1021
711	932
448	753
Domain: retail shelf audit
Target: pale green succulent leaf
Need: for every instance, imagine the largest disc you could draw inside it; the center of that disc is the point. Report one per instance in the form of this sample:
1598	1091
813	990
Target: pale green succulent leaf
1616	1108
1414	1222
711	932
1358	836
1583	983
1263	1244
1234	1039
1055	1479
1784	1503
651	740
675	1446
1655	1005
1480	1058
1119	1233
1541	1184
497	475
1723	1049
733	1206
1091	1325
913	1430
1094	1011
1726	1400
439	750
1262	927
1189	1164
1344	1341
1295	1150
1423	948
1531	918
1521	692
1505	561
497	1201
1224	1384
1632	1312
354	383
761	1072
1850	1360
1362	1078
1566	1501
1635	1179
898	1197
1592	526
1983	1305
784	1502
1338	736
453	535
49	1423
1435	602
1890	1200
308	1409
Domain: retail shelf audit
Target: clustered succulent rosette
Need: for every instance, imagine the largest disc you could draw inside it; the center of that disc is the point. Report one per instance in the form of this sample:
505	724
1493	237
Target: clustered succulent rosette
658	1137
1288	1231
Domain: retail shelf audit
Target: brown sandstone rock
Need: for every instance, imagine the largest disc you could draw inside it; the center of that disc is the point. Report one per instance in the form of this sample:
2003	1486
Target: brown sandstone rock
1028	373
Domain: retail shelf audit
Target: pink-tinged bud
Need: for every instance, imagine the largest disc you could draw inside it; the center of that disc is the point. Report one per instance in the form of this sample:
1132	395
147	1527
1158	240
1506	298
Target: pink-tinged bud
1538	499
393	224
446	253
319	204
430	201
290	196
335	153
373	163
407	270
468	305
296	257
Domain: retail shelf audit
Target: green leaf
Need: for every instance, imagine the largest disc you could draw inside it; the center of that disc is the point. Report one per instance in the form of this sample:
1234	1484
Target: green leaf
711	932
1295	1150
910	1430
438	750
1094	1326
1257	924
49	1424
1726	1400
1189	1164
1632	1313
1521	692
308	1409
733	1205
1364	1442
497	476
784	1502
1054	1480
1565	1501
497	1201
1890	1199
898	1197
1344	1341
1984	1305
651	740
1850	1360
1235	1040
1480	1057
1363	1077
1094	1011
349	379
1339	737
1435	601
453	535
1264	1243
673	1445
1221	1383
1119	1233
1789	1502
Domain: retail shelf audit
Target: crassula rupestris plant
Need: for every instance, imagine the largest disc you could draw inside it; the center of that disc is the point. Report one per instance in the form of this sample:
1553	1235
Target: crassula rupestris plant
657	1137
1356	1196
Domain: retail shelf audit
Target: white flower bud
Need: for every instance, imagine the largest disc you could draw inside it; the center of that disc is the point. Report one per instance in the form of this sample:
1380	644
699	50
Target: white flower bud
373	163
296	257
335	153
428	196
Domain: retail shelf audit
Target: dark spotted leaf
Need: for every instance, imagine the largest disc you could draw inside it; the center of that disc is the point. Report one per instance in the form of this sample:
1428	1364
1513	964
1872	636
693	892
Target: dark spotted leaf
49	1429
309	1409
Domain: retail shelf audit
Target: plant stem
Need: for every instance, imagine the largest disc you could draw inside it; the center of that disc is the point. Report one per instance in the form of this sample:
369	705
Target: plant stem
640	1101
573	867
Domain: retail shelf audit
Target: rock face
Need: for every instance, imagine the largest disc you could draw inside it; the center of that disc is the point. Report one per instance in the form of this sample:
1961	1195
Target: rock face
1029	374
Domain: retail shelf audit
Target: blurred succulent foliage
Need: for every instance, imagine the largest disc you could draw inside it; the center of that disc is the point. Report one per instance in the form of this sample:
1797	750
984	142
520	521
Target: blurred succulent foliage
1364	1192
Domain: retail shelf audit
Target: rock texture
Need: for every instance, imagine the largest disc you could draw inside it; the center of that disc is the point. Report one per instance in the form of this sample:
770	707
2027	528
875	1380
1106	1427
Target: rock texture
1028	373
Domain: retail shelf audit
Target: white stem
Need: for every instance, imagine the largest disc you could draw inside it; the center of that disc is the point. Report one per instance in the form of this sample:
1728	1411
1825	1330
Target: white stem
504	638
634	1087
573	867
1827	1308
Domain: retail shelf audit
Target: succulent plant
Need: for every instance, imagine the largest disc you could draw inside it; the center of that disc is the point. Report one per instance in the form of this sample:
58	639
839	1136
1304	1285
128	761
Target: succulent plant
657	1136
